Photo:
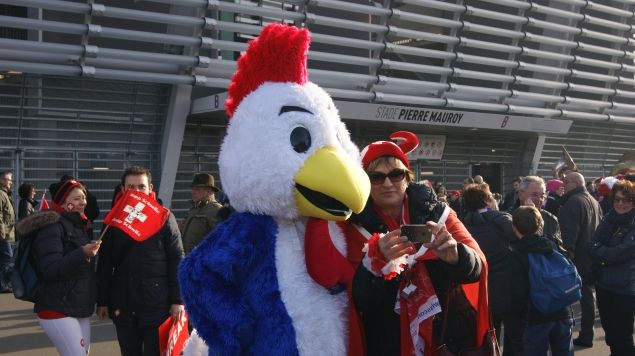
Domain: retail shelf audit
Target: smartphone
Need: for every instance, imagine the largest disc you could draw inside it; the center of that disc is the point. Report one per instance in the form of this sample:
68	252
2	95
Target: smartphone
417	233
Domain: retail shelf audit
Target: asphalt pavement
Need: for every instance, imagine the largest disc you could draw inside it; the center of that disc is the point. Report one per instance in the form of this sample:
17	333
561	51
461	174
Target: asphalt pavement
20	333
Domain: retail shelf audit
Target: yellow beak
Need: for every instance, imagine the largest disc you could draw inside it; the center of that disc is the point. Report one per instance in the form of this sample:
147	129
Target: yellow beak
330	186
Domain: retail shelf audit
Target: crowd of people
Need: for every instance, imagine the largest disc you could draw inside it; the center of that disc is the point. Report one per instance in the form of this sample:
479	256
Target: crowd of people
478	236
590	223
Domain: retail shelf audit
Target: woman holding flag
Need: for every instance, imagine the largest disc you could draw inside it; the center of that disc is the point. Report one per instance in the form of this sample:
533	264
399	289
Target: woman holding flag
64	258
137	268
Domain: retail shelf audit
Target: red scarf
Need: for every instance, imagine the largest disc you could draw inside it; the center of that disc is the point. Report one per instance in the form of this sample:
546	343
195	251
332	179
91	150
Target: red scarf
425	297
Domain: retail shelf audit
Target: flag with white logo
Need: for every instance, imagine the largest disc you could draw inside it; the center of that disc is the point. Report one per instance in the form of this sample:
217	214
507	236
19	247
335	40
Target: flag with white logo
138	215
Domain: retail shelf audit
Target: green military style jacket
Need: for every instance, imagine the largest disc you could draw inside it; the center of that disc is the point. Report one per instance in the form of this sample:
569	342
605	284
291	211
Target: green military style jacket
7	216
200	220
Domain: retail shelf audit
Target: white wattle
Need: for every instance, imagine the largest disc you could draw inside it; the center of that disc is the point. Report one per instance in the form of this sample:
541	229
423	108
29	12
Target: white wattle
320	319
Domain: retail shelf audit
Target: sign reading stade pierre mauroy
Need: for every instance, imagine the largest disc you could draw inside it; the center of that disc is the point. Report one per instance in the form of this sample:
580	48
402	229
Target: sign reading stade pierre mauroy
449	118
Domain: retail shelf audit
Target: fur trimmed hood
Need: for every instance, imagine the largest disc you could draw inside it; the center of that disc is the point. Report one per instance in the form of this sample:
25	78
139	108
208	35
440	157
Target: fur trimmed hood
36	222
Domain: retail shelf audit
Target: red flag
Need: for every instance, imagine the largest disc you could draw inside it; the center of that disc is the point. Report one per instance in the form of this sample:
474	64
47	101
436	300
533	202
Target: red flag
172	335
44	205
138	215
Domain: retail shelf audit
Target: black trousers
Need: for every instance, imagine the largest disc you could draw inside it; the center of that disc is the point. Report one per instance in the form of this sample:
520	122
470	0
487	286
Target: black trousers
616	314
513	335
137	341
587	311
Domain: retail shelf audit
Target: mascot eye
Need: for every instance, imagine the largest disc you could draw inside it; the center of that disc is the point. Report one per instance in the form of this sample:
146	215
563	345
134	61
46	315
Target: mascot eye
300	139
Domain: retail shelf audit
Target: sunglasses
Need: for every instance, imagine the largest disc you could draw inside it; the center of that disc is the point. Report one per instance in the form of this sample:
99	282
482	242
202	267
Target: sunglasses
395	176
622	200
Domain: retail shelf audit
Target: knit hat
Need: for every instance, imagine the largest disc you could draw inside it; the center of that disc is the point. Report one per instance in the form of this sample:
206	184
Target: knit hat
409	142
553	185
59	191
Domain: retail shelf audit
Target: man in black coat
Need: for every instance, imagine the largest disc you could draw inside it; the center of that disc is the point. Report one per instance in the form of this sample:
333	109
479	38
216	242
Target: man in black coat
137	280
579	216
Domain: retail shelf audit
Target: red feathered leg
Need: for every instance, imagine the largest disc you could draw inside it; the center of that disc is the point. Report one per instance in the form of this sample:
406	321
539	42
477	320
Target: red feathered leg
325	264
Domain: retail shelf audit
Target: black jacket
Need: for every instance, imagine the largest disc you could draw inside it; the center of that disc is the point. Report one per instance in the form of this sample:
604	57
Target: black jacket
138	280
519	268
579	216
509	201
375	298
92	206
26	207
551	230
69	283
493	232
613	253
552	204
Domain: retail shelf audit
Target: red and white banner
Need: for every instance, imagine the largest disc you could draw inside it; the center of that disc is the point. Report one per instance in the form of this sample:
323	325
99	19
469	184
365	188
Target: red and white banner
172	335
138	215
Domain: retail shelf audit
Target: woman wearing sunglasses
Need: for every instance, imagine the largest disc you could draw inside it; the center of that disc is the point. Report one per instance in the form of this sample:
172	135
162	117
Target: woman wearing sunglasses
391	274
613	254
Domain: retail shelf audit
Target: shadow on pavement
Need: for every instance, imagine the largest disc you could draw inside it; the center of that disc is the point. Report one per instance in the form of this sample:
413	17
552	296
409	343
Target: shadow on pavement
23	342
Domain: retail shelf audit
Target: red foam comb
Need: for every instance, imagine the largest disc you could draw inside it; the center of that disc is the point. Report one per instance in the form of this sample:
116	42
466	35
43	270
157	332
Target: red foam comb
408	140
279	54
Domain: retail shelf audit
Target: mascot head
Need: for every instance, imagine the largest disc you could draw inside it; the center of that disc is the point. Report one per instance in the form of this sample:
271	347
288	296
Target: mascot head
287	153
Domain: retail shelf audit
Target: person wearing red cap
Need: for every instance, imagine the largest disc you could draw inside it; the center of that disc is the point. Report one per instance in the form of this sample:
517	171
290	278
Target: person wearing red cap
64	259
392	275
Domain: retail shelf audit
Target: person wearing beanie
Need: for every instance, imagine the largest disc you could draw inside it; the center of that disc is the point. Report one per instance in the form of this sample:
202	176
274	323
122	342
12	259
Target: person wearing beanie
555	190
64	253
452	258
92	206
202	216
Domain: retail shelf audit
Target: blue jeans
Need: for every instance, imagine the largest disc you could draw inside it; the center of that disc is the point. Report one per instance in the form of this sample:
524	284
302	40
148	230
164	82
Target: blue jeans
6	264
555	334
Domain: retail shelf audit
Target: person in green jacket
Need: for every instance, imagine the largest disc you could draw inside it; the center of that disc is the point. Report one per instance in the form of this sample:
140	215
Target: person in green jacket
7	230
201	218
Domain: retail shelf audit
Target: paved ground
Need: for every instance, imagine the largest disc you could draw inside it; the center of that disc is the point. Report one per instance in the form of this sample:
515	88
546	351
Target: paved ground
21	335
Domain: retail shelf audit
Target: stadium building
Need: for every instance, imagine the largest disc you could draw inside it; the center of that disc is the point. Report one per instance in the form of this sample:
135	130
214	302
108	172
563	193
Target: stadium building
493	87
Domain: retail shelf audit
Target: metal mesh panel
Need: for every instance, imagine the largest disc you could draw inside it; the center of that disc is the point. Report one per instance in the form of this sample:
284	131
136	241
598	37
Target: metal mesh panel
89	129
573	59
199	153
594	147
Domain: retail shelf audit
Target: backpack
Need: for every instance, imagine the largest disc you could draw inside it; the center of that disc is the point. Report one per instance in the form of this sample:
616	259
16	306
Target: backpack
25	278
554	282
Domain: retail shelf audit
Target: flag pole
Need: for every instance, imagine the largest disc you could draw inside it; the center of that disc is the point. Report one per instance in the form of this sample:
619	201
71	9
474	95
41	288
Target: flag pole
103	232
43	202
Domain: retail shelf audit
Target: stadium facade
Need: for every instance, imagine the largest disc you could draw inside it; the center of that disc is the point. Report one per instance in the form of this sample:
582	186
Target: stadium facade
494	87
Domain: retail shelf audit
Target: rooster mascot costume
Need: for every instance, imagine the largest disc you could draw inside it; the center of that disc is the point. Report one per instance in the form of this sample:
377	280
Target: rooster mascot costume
286	157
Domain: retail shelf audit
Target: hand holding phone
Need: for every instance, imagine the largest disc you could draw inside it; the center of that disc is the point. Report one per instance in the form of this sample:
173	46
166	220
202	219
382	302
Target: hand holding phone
417	233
